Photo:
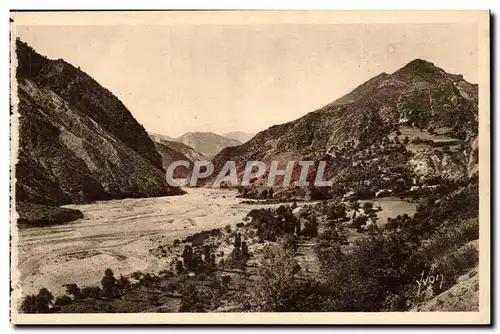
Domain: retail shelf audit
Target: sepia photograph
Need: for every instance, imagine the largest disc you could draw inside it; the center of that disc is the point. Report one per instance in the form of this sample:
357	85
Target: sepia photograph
250	167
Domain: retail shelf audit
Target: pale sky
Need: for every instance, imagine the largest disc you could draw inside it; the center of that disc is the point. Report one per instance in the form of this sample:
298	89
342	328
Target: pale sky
221	78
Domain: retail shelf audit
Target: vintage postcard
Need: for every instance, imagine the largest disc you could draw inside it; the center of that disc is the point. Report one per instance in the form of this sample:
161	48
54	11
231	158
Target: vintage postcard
259	167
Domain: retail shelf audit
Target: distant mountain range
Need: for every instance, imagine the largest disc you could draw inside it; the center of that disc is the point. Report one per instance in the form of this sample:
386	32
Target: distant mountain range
243	137
78	143
171	150
206	143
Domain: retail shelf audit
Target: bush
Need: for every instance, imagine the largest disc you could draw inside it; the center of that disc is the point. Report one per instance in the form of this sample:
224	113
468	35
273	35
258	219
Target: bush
63	300
455	264
171	288
109	287
93	292
123	283
225	281
237	240
310	227
277	280
245	254
289	242
73	290
179	267
359	221
319	193
29	304
336	211
367	207
376	267
194	299
456	234
149	281
136	275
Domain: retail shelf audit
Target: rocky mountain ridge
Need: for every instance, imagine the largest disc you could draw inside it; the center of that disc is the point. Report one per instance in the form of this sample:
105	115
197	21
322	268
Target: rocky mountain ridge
207	143
77	142
171	151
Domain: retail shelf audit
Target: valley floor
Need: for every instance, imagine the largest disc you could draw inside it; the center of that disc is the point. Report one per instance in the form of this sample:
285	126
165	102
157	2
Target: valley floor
118	234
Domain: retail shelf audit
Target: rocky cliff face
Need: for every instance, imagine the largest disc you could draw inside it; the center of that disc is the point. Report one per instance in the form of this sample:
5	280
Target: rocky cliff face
77	142
419	95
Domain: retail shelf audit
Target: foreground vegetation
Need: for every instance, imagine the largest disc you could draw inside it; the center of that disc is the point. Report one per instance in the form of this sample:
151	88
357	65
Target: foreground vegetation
328	256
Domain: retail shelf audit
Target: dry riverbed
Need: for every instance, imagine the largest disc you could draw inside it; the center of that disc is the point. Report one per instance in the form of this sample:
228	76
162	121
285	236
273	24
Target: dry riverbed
118	234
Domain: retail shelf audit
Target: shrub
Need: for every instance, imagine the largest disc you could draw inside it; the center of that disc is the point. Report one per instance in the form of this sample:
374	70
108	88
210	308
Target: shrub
455	233
109	287
225	281
277	280
359	221
187	257
194	299
289	242
73	290
376	267
319	193
136	275
39	303
237	240
244	251
123	283
171	288
455	264
263	194
29	304
179	267
93	292
310	227
63	300
367	207
149	280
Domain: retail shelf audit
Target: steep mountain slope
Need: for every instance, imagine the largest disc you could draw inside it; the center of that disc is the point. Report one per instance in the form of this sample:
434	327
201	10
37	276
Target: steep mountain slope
171	151
461	297
239	135
207	143
419	95
77	142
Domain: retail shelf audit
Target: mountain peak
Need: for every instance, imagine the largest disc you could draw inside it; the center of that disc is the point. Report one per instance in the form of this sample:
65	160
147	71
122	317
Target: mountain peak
418	62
